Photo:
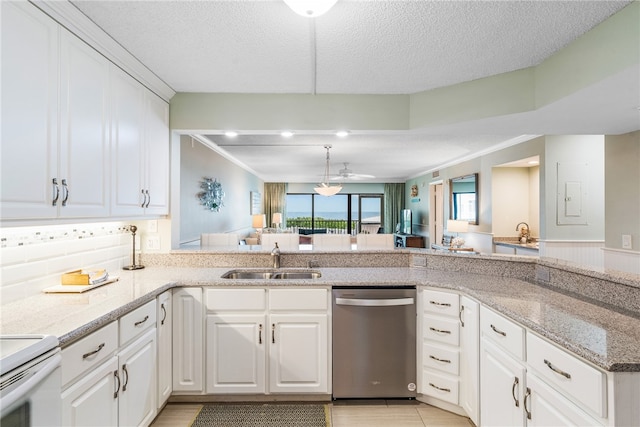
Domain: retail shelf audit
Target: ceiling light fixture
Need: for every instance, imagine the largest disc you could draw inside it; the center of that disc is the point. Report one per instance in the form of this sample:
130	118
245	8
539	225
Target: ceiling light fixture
310	8
342	133
231	134
324	189
287	133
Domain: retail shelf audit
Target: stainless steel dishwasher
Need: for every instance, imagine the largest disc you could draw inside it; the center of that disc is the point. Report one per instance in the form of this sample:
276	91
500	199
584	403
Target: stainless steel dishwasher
374	342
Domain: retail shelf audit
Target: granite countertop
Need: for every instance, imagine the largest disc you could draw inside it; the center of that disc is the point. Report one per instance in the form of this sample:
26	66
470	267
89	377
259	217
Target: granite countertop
608	338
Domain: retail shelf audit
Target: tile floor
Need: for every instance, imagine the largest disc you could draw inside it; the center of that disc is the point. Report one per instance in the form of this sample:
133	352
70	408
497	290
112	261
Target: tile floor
364	414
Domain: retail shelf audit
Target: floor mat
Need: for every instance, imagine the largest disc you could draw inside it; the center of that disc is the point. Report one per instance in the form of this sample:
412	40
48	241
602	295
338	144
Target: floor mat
263	415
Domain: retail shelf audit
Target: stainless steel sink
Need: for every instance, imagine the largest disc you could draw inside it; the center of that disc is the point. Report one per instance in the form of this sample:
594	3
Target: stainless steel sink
271	274
296	275
256	275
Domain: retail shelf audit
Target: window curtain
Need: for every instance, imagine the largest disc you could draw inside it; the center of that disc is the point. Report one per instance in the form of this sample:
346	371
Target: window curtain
275	194
393	204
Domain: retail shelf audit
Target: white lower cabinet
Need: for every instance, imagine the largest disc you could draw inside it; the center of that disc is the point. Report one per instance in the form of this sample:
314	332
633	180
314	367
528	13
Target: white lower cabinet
513	391
502	388
165	336
187	310
236	353
91	401
470	358
439	349
107	385
267	341
137	395
298	356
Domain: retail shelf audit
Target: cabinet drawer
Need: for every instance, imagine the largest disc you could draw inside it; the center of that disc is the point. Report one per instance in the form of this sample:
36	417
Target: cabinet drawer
576	379
442	303
236	299
442	330
440	358
440	386
503	332
136	322
89	352
298	299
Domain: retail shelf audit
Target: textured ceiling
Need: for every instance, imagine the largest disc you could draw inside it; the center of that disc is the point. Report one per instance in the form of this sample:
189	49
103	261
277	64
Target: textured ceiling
358	47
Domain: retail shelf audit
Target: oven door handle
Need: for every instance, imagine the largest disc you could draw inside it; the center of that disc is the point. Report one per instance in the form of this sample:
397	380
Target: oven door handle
374	302
23	389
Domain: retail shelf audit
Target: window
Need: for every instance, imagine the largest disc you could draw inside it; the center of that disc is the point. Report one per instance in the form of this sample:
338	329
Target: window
342	213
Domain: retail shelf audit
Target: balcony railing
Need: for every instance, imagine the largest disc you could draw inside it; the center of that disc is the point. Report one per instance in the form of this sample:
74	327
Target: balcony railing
307	225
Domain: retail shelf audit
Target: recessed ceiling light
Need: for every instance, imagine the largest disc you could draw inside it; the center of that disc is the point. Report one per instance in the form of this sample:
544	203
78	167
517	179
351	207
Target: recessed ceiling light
287	133
342	133
533	162
231	133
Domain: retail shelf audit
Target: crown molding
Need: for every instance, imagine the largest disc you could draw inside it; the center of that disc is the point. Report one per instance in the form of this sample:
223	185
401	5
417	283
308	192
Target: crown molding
67	15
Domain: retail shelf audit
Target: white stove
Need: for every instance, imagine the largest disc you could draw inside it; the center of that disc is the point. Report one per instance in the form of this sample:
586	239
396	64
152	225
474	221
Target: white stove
30	384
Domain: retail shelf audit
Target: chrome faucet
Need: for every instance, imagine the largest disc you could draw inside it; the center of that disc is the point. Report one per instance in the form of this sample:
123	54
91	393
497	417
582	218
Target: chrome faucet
524	232
275	253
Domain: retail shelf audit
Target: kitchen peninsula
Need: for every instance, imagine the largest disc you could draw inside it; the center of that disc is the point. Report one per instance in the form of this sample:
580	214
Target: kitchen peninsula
591	316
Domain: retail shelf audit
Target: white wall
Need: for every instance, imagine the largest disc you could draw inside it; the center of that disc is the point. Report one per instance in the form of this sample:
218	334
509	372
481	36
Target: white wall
196	162
33	258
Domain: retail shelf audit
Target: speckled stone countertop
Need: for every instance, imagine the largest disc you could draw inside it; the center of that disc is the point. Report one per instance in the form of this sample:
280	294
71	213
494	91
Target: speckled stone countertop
606	337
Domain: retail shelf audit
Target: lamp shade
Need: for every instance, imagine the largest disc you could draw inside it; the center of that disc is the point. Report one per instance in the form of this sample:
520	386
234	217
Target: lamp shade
259	221
310	8
276	218
457	226
327	190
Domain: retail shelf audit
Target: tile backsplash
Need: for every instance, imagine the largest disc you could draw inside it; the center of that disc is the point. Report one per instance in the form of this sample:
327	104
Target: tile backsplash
33	258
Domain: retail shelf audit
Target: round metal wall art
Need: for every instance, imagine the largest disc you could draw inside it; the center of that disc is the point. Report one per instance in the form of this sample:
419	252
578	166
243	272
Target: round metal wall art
211	195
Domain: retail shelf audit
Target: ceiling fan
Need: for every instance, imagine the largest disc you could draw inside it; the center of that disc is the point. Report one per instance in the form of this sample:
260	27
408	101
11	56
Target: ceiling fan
347	173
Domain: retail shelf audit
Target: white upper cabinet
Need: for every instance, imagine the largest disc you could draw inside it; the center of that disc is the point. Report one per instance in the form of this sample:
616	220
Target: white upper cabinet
30	59
140	138
83	171
80	137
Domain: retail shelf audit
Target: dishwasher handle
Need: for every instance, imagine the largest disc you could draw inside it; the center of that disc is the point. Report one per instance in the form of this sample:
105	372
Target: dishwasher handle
375	302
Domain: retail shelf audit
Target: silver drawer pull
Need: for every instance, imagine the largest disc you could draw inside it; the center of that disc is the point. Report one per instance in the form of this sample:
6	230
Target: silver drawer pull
516	381
556	370
440	360
498	331
442	304
440	388
527	396
439	331
141	321
91	353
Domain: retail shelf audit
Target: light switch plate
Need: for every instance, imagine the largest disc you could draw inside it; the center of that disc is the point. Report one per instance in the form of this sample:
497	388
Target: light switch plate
626	241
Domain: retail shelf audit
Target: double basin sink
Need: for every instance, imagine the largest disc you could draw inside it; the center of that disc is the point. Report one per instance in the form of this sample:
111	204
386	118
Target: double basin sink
272	274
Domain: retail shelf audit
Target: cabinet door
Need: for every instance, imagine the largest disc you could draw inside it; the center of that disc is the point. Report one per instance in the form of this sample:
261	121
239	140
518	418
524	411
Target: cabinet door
501	388
544	406
236	353
127	144
29	114
298	355
469	357
187	339
137	399
84	133
164	327
156	134
93	400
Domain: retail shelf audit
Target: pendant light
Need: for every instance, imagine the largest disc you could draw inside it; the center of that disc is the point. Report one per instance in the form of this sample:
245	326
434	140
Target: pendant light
310	8
324	189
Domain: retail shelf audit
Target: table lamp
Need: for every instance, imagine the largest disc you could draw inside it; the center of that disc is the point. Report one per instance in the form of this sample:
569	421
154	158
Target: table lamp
276	218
